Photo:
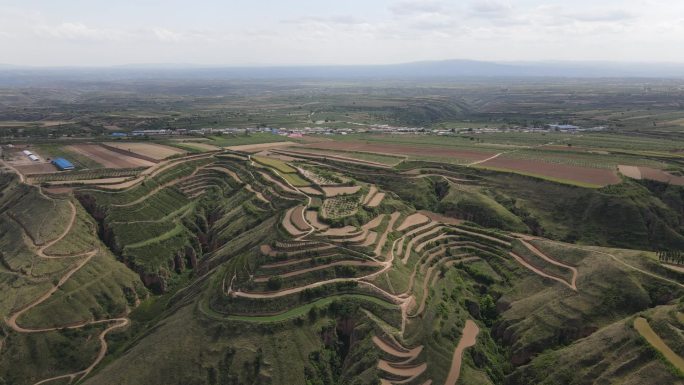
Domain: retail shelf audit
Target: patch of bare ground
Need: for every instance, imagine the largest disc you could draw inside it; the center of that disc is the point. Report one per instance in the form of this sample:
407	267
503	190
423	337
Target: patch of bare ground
436	217
413	220
468	339
340	190
371	192
677	268
370	239
152	150
108	158
376	200
341	231
312	217
310	191
661	176
589	175
298	219
630	171
289	226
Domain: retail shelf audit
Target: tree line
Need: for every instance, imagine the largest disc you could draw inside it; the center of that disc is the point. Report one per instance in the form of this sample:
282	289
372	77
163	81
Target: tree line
671	256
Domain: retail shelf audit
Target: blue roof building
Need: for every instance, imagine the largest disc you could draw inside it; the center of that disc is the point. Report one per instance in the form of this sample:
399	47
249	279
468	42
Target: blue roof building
62	164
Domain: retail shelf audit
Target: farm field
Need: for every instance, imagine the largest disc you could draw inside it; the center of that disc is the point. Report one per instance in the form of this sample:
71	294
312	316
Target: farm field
108	158
152	150
247	140
637	172
584	176
417	150
358	155
199	146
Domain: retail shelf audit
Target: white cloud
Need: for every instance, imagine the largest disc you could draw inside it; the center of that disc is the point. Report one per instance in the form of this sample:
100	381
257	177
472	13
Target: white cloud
412	7
78	31
167	35
490	8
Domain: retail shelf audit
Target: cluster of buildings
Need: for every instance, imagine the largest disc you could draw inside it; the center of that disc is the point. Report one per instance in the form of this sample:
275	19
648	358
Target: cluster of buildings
373	128
31	155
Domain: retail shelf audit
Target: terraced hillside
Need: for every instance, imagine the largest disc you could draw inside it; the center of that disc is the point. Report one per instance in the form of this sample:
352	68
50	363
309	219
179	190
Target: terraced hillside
221	268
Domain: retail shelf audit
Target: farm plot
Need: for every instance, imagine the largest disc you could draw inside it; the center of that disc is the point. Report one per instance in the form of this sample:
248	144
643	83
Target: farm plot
563	173
393	149
198	146
635	172
36	168
51	151
412	221
151	150
340	190
108	158
253	148
376	200
340	206
277	164
286	171
320	177
382	159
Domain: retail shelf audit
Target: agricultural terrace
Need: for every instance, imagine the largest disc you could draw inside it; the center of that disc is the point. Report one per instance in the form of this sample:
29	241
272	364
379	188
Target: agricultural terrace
286	171
422	283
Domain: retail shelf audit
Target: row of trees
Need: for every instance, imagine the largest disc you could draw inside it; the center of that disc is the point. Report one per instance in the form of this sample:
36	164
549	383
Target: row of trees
671	256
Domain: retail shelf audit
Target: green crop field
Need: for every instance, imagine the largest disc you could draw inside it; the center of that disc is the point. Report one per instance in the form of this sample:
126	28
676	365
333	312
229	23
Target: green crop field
275	163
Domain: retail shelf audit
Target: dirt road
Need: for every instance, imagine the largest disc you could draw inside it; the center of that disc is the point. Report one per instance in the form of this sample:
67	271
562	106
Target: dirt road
468	339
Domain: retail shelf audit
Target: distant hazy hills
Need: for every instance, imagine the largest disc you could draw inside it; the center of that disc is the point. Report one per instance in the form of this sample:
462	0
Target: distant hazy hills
417	70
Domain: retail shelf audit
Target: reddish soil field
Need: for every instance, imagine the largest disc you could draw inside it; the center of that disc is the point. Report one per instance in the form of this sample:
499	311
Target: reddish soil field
107	158
400	149
595	176
661	176
297	219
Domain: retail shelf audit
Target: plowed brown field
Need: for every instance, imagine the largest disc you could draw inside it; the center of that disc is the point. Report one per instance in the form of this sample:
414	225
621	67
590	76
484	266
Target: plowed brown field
585	175
401	149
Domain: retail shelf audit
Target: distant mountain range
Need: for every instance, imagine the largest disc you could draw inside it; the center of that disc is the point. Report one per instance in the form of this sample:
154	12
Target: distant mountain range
418	70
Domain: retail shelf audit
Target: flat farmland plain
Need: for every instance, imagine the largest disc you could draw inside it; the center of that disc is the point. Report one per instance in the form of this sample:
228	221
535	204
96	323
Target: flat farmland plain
108	158
584	176
412	150
152	150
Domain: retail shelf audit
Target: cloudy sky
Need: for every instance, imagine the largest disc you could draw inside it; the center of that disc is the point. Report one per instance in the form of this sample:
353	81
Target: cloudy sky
276	32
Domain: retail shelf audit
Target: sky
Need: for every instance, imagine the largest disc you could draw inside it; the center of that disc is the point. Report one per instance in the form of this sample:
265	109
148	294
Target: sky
340	32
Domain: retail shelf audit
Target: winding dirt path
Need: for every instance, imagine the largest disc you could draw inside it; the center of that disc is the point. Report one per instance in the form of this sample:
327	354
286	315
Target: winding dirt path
320	267
12	321
484	160
619	260
408	372
407	354
540	254
539	272
468	339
